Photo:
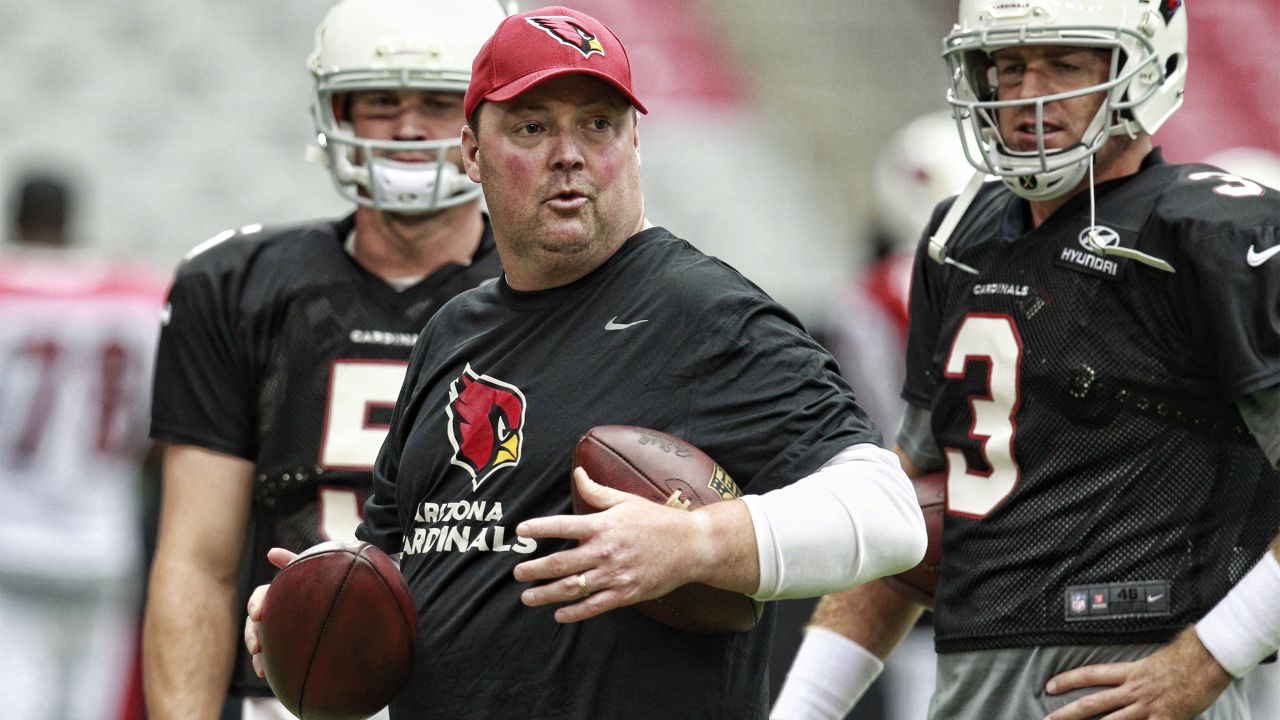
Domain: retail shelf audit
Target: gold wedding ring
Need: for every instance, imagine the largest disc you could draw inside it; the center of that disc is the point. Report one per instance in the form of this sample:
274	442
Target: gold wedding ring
583	590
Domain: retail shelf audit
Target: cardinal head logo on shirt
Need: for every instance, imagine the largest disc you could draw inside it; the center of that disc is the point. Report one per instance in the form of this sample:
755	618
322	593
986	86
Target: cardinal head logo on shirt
486	424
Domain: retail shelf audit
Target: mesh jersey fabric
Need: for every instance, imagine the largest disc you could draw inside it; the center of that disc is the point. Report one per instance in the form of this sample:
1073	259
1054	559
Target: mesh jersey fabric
281	349
1113	385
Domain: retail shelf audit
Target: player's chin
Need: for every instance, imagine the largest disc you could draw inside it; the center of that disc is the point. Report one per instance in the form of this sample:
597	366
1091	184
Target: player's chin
565	249
567	235
408	218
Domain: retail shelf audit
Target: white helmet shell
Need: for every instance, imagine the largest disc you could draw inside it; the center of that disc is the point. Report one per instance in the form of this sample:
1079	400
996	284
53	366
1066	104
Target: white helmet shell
1148	43
395	45
920	166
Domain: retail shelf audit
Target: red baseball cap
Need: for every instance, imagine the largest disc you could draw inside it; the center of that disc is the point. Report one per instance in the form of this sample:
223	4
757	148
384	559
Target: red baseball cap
535	46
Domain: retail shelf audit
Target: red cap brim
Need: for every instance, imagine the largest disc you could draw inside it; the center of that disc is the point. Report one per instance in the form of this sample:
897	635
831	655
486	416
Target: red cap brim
518	87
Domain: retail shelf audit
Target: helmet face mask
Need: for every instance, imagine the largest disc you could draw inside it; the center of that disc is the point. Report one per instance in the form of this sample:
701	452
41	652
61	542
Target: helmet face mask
395	45
1147	48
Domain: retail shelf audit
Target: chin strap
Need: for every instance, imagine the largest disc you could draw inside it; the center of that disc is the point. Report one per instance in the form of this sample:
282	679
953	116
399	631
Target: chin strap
938	242
1101	249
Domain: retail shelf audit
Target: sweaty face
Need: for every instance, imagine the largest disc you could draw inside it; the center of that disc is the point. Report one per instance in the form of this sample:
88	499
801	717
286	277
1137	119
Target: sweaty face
561	175
1037	71
408	115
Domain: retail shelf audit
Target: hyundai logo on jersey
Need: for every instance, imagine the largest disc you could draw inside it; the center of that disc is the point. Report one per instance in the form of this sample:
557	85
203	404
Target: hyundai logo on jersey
1089	260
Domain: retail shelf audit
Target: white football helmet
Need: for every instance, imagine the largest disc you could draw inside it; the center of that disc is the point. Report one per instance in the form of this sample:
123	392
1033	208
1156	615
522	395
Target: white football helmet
400	45
1148	40
920	166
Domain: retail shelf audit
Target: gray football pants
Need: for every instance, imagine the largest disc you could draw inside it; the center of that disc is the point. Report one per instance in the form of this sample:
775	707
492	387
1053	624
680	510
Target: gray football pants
1009	684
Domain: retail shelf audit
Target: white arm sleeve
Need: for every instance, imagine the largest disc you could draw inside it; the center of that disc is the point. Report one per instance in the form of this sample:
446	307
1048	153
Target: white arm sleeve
853	520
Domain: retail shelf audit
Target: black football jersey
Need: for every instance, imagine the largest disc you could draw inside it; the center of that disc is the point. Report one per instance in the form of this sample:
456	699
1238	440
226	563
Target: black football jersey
281	349
1102	487
501	387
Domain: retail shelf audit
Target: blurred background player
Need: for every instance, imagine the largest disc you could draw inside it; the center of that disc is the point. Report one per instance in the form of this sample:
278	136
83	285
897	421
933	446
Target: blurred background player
866	329
920	166
284	349
76	347
1094	357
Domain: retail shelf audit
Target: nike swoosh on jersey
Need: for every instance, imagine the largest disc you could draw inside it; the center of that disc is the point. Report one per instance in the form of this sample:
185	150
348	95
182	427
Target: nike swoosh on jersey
613	324
1255	258
1153	598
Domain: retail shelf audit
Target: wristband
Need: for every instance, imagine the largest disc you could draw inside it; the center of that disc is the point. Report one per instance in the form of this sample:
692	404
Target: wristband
1244	627
829	674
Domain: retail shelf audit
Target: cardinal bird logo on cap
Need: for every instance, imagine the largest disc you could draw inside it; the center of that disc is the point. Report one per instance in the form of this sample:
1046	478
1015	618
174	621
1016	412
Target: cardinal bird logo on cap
486	424
568	31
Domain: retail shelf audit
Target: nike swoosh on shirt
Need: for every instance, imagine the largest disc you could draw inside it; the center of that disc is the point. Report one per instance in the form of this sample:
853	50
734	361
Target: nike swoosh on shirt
1255	258
613	324
1153	598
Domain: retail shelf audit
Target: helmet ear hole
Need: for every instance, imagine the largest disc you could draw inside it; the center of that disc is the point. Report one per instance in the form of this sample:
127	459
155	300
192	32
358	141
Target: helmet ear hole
1171	64
341	105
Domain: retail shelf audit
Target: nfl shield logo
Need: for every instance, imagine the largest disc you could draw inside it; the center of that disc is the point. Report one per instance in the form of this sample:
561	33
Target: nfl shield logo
1077	602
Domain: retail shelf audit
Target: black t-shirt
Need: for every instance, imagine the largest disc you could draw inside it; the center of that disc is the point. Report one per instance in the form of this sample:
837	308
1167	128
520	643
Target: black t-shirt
501	386
1102	487
281	349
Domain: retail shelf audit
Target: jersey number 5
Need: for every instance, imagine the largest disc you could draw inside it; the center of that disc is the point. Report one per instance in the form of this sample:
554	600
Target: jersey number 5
352	437
358	389
993	341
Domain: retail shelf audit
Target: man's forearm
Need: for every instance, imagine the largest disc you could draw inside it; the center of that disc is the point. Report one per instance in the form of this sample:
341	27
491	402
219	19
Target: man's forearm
874	615
188	648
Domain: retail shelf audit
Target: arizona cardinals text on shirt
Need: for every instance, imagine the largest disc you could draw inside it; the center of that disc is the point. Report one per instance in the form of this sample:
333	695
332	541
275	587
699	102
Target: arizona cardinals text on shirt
433	531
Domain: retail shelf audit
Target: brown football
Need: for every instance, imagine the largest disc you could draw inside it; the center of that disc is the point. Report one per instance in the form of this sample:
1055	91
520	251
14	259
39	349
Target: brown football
338	632
667	470
920	582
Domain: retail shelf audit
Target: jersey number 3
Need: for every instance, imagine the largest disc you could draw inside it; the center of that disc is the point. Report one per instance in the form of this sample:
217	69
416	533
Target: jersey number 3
993	341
